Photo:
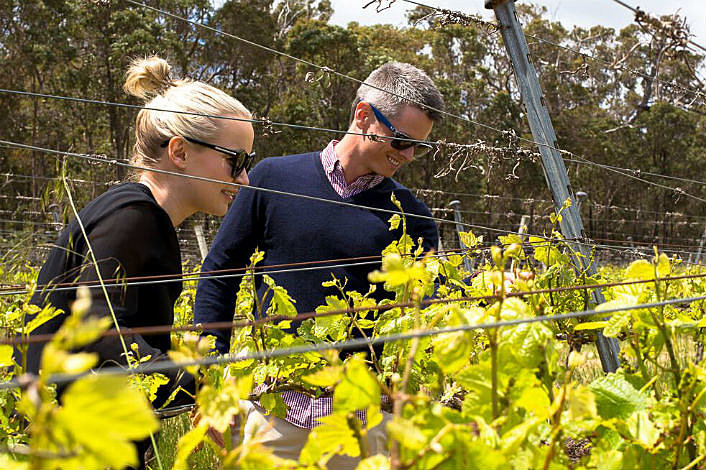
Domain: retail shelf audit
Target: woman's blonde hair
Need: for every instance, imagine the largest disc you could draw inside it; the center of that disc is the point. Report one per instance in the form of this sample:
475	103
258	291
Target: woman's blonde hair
149	79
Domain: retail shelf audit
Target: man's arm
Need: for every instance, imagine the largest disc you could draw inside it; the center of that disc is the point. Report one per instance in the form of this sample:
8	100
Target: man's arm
239	235
419	227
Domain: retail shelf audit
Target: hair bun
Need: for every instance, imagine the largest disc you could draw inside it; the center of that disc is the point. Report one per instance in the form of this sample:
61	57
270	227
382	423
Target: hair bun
148	77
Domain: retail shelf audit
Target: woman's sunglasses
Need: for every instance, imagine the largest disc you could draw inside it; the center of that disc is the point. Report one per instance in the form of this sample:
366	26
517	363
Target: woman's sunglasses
400	140
239	159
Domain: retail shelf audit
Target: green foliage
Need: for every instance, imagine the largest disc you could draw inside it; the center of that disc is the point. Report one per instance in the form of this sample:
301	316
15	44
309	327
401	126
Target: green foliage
510	397
616	398
507	397
99	416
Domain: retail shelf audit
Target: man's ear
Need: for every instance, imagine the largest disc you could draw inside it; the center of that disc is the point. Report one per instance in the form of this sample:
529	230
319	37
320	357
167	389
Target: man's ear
363	116
176	152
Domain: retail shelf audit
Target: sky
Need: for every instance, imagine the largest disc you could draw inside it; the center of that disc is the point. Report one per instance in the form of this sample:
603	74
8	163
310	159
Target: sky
569	12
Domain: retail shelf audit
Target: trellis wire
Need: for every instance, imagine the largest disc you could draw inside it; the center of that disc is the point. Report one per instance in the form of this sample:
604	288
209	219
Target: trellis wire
329	70
430	192
159	329
162	366
391	338
637	11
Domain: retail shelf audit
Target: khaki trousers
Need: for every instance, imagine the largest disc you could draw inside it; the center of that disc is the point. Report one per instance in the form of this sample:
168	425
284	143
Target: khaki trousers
286	440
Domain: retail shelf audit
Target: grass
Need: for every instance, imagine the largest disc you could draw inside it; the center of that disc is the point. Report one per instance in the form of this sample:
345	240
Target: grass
170	432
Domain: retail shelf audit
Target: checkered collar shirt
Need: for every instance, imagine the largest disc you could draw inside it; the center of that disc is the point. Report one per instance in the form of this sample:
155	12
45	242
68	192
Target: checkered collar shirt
304	411
334	173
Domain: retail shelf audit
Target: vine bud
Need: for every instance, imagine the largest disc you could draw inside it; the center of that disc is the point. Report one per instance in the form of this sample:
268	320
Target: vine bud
497	255
576	359
513	250
496	278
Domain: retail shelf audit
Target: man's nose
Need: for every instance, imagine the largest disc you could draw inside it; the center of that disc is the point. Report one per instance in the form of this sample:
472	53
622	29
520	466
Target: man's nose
408	154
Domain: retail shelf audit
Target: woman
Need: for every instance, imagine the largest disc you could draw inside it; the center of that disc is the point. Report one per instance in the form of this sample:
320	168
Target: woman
131	227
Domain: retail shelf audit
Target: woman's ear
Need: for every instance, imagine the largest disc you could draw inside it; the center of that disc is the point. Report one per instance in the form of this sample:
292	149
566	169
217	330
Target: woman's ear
176	152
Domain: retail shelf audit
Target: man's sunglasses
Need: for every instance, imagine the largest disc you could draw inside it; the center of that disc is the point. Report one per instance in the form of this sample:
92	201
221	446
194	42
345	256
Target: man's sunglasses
239	160
400	140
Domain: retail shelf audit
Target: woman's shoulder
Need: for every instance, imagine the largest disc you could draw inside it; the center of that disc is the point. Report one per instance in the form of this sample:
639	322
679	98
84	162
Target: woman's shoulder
131	204
125	193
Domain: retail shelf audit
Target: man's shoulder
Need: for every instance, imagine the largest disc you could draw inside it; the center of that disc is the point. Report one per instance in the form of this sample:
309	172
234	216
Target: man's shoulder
272	169
286	161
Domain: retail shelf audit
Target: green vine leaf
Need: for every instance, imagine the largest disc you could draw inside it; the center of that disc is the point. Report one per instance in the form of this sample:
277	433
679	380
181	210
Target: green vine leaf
282	303
102	416
640	269
616	397
6	359
187	444
404	430
376	462
326	377
333	436
358	390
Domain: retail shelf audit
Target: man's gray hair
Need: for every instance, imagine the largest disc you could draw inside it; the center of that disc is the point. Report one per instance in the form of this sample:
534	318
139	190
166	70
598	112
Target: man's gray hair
406	84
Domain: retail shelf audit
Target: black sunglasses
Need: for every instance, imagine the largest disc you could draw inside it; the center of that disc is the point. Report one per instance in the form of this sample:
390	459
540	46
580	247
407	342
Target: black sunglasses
239	160
400	140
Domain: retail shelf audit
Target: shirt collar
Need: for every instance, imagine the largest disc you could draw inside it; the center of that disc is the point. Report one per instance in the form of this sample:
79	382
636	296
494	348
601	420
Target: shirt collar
329	159
332	165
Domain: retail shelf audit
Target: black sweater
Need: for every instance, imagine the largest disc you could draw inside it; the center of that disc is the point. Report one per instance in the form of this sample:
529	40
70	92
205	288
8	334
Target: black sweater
130	235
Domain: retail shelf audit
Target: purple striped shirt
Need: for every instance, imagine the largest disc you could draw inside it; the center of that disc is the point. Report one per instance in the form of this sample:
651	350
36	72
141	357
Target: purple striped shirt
334	172
304	411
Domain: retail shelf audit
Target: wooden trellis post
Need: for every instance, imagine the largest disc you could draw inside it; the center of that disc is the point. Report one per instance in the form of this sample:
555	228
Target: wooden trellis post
552	162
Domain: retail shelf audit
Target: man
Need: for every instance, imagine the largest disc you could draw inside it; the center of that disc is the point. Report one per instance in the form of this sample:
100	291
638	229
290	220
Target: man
358	170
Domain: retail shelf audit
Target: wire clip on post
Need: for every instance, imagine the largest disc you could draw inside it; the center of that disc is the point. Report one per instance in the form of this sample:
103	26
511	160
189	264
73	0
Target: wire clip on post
552	162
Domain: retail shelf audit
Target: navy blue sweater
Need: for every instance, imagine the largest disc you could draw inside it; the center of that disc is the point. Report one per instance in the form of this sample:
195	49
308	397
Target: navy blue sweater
292	229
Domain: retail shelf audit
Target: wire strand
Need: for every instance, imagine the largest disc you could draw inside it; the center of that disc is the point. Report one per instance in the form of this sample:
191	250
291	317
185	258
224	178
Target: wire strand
162	366
103	159
160	329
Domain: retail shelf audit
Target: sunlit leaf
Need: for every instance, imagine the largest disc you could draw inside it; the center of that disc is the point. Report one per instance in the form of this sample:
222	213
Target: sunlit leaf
581	403
359	388
615	397
333	436
376	462
535	400
640	269
452	351
104	415
282	303
469	239
46	314
326	377
6	356
186	445
218	407
274	404
407	433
